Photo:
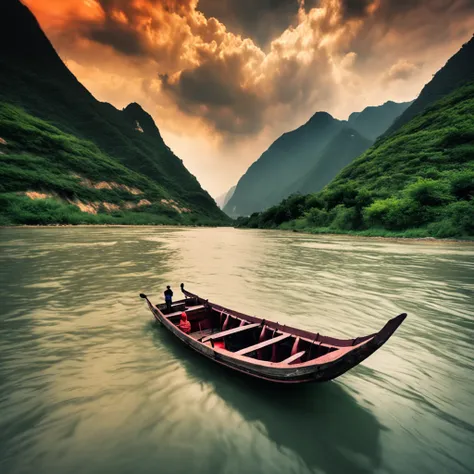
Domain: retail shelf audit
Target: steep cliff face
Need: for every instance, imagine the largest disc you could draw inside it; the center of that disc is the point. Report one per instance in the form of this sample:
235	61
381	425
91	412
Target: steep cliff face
39	87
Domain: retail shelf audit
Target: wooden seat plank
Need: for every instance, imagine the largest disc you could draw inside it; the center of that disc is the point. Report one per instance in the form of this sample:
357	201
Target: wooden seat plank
192	309
228	332
292	358
261	345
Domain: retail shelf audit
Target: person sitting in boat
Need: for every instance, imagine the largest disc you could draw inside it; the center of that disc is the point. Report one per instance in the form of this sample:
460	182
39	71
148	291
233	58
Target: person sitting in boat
168	298
184	324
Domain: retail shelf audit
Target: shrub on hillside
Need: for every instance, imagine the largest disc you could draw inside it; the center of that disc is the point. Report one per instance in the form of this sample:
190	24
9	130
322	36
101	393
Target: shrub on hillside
462	184
429	192
345	218
317	217
393	213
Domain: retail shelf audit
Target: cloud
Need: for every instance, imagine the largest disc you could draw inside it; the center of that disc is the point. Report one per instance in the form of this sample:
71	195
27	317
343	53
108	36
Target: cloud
357	8
237	87
225	79
401	70
261	20
239	71
230	82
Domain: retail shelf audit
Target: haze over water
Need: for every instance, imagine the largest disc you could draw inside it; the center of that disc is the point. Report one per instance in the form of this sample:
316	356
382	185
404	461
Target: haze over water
88	383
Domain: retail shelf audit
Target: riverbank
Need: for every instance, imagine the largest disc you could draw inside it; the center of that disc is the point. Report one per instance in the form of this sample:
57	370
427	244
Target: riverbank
382	235
49	226
364	234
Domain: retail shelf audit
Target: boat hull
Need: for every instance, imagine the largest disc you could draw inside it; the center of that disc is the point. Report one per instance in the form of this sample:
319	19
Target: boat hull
350	354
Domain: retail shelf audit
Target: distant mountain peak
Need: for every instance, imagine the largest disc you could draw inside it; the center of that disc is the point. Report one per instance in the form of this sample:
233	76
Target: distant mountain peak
375	120
137	115
135	108
306	158
321	118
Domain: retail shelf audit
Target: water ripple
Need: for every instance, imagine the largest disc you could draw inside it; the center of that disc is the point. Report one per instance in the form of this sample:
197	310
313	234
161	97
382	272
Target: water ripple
86	377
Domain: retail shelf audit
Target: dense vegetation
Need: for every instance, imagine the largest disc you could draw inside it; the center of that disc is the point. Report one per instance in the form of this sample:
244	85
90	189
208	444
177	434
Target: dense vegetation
38	156
417	182
306	159
54	128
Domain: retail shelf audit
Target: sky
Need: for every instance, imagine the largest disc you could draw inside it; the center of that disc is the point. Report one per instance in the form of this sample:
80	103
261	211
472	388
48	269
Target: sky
224	78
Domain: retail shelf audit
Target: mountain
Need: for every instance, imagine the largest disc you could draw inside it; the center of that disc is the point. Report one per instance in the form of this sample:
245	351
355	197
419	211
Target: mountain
287	159
416	182
342	150
307	158
457	71
373	121
223	199
64	144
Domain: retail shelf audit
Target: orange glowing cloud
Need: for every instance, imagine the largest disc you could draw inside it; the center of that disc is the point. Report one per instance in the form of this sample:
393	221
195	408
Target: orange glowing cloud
55	14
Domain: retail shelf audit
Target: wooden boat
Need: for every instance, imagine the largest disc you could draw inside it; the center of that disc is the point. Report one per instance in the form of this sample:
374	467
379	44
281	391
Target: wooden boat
265	349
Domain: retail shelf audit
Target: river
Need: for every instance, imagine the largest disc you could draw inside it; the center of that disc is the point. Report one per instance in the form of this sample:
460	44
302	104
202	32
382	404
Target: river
89	384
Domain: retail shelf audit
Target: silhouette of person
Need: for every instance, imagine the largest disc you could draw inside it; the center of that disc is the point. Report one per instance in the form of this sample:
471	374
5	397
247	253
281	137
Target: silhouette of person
168	298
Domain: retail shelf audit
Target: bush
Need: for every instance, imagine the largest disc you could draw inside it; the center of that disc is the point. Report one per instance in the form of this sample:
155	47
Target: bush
462	184
317	217
345	218
429	192
443	229
461	214
394	214
314	201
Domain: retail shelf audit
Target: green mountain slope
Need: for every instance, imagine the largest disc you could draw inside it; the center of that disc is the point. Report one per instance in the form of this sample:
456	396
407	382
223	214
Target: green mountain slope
373	121
287	159
419	181
343	148
37	88
457	71
307	158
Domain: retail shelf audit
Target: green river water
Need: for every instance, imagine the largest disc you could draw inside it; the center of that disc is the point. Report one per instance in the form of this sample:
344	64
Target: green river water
90	384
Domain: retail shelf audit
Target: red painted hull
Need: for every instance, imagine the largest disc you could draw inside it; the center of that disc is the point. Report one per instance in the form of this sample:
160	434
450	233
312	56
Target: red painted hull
344	355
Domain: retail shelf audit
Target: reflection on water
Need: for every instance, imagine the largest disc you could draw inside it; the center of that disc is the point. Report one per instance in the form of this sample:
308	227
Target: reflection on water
89	384
305	420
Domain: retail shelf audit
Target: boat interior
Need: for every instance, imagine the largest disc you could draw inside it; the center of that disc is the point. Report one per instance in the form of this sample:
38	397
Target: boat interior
218	328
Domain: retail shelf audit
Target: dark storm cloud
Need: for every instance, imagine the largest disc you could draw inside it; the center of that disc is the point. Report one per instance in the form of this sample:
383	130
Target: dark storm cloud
355	8
311	57
115	34
261	20
406	27
121	27
386	11
212	90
